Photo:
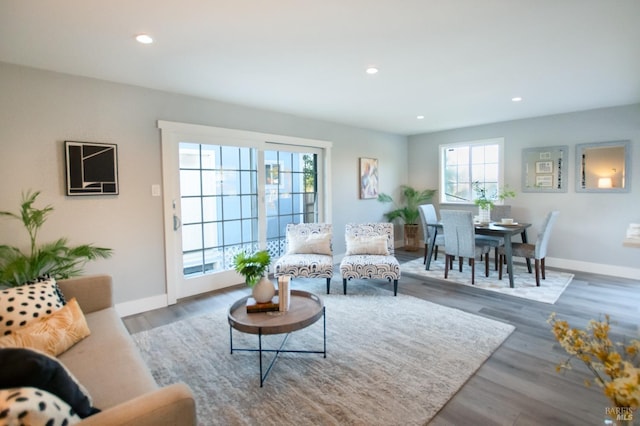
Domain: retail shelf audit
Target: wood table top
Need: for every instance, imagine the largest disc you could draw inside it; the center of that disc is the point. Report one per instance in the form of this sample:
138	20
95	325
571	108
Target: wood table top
304	309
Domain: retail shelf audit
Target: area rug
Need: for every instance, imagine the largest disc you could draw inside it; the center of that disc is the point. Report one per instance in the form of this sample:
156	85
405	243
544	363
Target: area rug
524	283
390	360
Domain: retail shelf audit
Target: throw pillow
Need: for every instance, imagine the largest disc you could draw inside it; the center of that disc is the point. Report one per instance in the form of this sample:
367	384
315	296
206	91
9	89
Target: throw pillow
29	368
34	407
20	305
372	245
309	244
53	334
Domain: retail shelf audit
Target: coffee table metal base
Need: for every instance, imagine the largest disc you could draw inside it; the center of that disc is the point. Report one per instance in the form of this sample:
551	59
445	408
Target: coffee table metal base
260	349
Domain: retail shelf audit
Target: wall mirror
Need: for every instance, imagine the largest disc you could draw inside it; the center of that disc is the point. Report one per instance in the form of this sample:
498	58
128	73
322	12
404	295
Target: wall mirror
545	169
603	166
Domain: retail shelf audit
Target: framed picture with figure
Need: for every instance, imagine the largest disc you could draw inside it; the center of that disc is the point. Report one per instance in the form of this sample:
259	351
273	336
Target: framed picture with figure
368	178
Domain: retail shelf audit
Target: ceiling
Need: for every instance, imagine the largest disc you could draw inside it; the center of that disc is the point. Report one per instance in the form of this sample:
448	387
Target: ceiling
458	63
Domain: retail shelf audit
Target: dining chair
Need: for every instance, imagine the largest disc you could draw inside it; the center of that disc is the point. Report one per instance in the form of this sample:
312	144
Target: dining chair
429	216
537	251
497	214
460	240
309	252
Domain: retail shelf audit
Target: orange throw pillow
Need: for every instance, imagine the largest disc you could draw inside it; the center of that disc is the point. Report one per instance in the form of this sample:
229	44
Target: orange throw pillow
52	334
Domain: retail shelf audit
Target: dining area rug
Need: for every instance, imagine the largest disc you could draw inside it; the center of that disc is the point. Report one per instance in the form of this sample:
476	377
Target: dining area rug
390	360
524	282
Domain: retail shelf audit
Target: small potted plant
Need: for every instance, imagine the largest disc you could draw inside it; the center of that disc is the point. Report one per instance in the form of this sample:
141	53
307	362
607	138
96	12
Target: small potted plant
409	213
486	202
253	268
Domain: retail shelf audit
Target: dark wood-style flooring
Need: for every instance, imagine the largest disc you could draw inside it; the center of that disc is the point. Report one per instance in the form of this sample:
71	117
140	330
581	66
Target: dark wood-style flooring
518	385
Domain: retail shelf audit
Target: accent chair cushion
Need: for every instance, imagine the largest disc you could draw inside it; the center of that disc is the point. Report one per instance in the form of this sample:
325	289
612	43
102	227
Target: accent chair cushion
370	244
309	244
20	305
33	369
52	334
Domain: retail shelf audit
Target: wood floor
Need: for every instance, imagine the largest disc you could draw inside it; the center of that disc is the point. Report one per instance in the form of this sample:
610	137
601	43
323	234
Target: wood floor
518	385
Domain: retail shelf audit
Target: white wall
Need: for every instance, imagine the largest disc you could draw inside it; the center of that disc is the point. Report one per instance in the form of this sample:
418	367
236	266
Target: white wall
39	110
589	232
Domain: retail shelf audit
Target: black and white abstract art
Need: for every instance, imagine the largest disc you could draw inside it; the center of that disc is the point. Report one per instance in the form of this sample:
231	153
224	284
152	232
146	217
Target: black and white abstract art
92	168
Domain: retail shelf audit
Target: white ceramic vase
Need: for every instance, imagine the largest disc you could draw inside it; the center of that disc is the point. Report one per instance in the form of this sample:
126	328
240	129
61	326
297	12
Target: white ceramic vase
484	214
263	291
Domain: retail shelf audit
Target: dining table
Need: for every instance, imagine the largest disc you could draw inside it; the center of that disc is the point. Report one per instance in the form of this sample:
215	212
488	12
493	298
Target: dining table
496	229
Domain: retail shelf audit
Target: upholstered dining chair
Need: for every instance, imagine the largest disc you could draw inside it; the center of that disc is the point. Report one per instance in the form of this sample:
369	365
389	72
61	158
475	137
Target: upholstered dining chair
309	252
497	214
460	240
370	254
429	218
537	251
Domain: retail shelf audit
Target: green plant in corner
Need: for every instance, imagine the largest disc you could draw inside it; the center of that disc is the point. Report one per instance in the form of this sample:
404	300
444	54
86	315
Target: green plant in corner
409	213
54	259
252	266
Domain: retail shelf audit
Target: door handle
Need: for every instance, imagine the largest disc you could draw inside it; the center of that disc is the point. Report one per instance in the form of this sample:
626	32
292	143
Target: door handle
176	222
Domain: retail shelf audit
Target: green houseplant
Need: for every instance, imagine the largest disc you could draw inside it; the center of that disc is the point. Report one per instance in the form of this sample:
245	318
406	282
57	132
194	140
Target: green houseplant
253	268
408	212
485	200
56	259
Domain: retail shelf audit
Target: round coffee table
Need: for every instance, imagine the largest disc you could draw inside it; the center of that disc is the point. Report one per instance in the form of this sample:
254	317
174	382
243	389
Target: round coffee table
304	309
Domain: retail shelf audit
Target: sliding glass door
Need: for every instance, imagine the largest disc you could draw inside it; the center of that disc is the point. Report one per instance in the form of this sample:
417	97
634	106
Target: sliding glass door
224	195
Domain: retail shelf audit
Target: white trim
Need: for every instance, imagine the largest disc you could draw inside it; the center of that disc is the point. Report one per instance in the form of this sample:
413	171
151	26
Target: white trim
594	268
141	305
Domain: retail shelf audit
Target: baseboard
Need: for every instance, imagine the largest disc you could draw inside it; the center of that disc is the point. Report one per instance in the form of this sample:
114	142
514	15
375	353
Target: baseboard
155	302
594	268
141	305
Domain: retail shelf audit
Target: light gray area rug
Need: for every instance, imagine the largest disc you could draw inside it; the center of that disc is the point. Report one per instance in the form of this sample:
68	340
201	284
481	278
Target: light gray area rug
390	360
524	283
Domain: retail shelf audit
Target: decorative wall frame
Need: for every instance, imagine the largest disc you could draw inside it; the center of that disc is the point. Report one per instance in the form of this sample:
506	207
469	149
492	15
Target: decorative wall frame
91	168
368	178
603	166
545	169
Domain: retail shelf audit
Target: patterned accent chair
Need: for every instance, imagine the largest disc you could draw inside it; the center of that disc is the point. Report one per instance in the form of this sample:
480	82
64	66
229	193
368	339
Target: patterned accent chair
309	252
370	254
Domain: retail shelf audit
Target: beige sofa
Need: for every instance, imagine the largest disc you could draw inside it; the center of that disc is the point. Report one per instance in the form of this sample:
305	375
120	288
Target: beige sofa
110	367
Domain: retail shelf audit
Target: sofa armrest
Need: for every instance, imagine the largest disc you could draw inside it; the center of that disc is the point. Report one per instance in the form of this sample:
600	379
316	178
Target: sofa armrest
93	292
170	405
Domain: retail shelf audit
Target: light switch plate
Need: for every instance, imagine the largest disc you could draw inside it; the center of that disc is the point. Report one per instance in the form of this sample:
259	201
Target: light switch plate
155	190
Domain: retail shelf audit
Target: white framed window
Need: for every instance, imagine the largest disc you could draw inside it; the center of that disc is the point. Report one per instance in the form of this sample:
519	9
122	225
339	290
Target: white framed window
463	163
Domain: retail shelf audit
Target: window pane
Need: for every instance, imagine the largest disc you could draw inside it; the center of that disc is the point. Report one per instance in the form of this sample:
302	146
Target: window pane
189	182
191	210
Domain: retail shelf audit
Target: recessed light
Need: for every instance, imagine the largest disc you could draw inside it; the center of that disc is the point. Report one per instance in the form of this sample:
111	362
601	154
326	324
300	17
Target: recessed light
420	117
144	39
372	70
516	99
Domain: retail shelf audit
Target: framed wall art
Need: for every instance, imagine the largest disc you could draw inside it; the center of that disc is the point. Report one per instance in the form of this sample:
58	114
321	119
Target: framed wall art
368	178
91	168
545	169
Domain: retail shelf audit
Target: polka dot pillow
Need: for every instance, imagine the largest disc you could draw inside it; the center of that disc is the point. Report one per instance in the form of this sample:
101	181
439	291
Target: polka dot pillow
20	305
32	406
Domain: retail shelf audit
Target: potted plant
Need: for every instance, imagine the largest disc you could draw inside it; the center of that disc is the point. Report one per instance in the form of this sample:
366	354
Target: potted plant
253	268
408	213
55	259
486	202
